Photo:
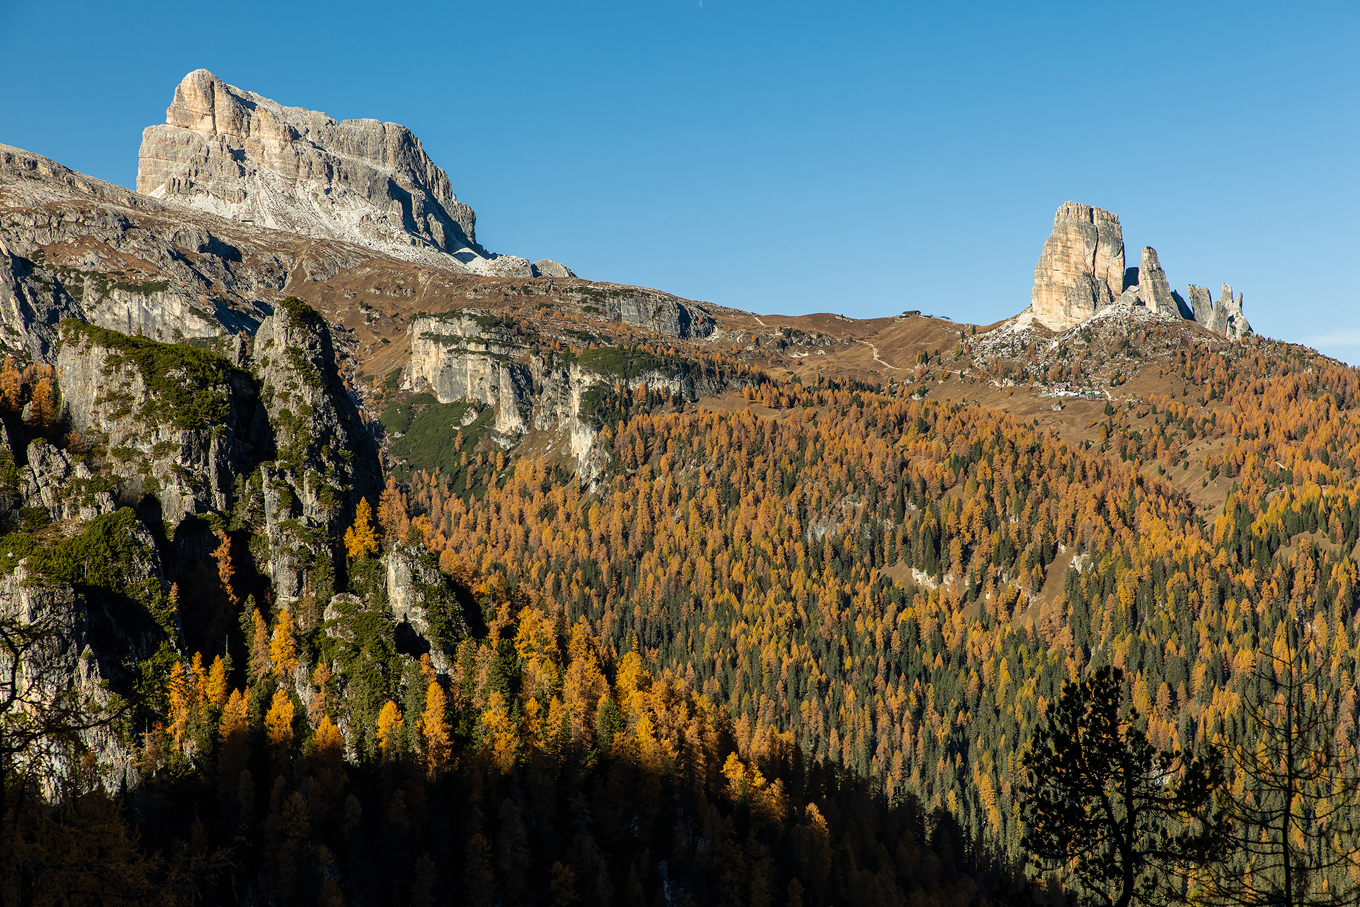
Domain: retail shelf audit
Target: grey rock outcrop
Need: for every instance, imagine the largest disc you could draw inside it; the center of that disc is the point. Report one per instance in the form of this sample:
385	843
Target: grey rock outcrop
64	489
61	664
32	303
243	156
467	355
1227	318
1153	289
546	267
643	308
85	646
420	596
1081	267
180	424
1201	304
326	458
1224	317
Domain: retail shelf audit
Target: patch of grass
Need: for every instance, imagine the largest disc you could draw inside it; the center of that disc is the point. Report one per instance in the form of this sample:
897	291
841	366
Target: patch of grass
396	418
624	364
299	312
437	439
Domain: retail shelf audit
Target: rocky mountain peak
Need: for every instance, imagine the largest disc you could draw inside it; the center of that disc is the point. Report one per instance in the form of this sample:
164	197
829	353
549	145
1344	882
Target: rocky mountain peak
1153	288
1081	271
1081	268
238	154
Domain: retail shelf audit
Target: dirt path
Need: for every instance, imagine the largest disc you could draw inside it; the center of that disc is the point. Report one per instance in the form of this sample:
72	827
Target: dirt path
878	360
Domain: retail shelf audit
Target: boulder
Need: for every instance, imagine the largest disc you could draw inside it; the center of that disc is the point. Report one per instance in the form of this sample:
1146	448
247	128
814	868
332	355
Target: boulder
546	267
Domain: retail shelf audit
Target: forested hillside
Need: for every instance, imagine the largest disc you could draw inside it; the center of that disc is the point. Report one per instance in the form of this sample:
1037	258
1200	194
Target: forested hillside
788	645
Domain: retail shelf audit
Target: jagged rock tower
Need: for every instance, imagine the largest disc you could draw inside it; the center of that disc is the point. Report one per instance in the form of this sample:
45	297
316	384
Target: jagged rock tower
1081	268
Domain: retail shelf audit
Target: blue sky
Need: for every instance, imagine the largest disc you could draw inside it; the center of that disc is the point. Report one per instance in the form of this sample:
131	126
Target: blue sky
861	158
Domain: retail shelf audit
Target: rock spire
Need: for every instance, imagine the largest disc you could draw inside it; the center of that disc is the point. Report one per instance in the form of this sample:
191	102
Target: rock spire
1081	271
1153	289
1081	268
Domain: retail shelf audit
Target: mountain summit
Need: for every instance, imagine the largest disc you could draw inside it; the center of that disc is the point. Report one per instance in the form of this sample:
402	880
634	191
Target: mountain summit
1081	271
243	156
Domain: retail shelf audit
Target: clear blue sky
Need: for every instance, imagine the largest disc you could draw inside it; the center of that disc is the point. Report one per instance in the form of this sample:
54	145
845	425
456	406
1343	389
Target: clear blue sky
861	158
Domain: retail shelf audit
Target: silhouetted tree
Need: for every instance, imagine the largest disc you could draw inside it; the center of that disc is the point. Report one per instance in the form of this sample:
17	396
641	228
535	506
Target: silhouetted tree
1299	843
1122	818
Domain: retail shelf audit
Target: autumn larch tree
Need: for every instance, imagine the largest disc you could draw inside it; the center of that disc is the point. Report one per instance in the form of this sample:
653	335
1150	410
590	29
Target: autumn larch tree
361	539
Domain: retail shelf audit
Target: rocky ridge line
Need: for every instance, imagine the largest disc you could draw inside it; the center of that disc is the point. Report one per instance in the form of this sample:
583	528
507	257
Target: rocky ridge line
1081	272
241	155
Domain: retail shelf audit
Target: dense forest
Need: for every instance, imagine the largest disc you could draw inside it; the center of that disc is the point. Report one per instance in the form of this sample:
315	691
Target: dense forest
791	650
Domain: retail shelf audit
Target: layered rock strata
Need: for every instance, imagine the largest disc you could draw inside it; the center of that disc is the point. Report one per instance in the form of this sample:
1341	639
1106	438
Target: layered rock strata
241	155
1081	268
467	355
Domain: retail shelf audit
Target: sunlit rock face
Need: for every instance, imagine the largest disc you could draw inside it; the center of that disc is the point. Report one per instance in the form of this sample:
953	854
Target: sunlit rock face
238	154
1081	268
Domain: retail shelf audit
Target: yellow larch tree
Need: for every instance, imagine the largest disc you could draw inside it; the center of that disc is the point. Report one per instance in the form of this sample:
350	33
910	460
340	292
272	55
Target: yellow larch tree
361	539
278	723
434	730
319	706
44	411
283	647
11	385
390	725
498	732
259	664
217	690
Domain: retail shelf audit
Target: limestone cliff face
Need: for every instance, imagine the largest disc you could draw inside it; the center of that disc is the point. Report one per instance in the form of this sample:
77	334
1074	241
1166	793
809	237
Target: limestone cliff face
465	355
243	156
32	303
649	309
75	247
180	425
326	459
187	431
469	355
1081	268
